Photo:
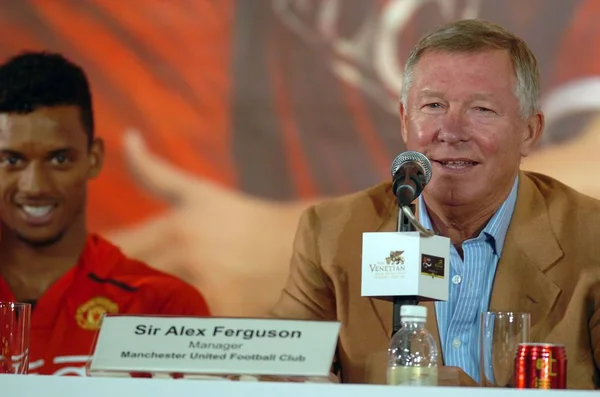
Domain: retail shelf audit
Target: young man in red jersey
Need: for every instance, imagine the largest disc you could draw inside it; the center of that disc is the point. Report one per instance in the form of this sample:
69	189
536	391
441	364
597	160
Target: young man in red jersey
48	152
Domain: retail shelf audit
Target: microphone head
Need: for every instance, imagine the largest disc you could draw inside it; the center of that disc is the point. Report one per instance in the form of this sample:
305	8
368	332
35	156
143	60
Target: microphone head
413	157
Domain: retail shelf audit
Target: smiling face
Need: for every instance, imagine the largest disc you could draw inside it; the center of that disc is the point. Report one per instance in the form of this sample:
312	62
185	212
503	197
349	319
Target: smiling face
463	114
45	163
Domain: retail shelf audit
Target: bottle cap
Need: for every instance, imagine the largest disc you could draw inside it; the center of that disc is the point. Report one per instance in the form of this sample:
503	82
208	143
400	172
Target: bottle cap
413	311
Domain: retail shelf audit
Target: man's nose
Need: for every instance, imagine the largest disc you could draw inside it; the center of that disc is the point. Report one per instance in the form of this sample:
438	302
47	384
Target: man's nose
34	180
453	129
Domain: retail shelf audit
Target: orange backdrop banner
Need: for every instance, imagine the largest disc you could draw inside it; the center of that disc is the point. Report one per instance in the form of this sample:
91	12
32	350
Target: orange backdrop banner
225	119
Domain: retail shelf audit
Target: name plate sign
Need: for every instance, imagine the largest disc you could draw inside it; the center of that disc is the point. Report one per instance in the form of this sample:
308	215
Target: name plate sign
223	346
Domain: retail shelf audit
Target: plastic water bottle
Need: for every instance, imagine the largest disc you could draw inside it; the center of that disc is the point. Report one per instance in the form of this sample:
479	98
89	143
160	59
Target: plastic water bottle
412	353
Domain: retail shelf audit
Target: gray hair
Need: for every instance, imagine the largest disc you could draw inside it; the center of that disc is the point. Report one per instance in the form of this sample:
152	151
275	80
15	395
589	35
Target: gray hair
476	35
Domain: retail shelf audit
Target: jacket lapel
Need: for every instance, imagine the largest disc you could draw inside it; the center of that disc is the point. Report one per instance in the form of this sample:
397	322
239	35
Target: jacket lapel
520	284
530	249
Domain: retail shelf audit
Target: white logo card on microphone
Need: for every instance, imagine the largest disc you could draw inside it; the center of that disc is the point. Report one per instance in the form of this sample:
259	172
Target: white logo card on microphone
405	264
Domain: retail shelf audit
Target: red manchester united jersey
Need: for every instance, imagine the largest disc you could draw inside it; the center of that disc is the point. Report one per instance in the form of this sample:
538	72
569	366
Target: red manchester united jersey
65	319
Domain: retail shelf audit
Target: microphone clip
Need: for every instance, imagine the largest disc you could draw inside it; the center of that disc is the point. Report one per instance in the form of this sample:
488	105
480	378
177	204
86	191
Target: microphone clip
407	222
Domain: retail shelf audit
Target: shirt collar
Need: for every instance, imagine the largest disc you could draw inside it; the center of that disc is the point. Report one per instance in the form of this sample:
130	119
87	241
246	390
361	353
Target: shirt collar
496	229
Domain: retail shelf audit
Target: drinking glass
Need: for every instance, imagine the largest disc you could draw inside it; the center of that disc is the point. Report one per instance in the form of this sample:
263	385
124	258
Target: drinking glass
501	333
14	337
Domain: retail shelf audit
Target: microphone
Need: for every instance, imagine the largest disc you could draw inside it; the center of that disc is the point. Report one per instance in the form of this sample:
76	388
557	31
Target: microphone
411	171
411	264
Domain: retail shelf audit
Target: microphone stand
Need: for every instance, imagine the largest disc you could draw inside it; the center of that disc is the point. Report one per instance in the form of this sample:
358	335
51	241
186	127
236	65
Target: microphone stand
405	224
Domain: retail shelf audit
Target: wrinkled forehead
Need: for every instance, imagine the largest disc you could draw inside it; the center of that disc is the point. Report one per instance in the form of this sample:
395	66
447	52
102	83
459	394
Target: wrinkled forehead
468	73
489	65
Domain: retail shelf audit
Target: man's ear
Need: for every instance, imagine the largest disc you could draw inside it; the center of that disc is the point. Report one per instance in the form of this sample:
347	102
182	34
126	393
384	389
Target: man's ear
96	157
532	133
403	122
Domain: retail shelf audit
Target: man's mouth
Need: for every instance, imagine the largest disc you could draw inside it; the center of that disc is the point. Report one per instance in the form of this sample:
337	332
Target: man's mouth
456	164
37	211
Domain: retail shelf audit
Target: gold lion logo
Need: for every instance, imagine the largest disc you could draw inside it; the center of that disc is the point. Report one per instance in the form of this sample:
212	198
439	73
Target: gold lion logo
89	315
395	258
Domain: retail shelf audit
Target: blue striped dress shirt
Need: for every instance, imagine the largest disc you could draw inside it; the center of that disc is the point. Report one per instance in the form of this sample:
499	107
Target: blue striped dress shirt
471	281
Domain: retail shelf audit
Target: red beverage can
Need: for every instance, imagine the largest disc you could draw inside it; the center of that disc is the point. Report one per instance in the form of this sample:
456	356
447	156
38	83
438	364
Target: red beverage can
541	366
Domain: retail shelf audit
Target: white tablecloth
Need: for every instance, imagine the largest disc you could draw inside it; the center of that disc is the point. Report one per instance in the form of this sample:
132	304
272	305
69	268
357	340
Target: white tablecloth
56	386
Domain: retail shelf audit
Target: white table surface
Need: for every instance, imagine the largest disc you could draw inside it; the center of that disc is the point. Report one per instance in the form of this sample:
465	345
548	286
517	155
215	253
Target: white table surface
58	386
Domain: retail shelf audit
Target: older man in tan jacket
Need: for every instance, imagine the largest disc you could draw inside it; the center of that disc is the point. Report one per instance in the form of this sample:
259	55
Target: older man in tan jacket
519	241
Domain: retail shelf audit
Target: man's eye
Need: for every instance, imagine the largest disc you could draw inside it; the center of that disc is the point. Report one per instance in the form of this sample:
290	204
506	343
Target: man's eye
11	160
60	158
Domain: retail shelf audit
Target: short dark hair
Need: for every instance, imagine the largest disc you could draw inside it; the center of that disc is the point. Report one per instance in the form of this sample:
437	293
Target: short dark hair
32	80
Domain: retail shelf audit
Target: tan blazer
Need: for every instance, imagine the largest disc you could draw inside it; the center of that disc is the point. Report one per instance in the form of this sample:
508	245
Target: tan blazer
550	267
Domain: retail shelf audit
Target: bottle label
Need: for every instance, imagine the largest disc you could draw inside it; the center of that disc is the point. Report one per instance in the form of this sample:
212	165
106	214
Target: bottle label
412	376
